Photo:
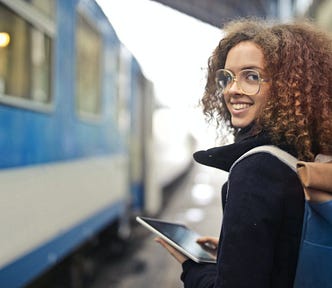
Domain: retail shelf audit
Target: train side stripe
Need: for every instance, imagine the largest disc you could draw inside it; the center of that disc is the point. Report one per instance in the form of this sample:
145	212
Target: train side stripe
25	269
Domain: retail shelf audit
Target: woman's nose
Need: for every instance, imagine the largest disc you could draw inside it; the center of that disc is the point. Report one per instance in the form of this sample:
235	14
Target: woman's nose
234	87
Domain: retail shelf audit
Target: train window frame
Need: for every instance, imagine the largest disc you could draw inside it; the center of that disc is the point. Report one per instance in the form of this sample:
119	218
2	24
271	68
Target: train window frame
93	118
123	88
38	22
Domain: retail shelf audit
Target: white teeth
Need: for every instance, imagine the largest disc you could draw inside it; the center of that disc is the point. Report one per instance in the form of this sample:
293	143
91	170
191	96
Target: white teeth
240	106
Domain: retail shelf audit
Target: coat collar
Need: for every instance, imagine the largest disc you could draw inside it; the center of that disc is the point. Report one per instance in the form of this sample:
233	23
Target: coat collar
223	157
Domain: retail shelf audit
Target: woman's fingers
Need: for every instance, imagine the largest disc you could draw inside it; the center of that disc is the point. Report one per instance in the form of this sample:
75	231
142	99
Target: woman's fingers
210	244
174	252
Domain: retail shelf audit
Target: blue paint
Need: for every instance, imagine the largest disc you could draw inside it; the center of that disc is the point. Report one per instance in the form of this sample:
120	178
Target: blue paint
137	190
25	269
30	137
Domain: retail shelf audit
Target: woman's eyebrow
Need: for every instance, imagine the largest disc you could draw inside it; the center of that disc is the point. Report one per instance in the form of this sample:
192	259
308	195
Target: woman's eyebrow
253	67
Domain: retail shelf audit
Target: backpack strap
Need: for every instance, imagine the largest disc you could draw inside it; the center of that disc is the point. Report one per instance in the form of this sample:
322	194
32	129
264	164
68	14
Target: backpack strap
282	155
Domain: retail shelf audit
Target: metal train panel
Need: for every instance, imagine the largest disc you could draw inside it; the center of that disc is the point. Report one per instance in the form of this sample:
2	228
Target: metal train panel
61	206
77	145
136	137
64	163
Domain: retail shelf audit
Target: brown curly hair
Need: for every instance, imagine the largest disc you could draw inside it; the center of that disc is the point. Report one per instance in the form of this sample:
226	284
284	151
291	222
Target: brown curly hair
298	60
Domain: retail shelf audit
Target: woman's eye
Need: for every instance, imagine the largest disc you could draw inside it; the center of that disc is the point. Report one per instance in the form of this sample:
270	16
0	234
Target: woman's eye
229	79
252	77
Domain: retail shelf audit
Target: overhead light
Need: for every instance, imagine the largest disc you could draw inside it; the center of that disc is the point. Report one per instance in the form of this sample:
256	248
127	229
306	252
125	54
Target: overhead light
4	39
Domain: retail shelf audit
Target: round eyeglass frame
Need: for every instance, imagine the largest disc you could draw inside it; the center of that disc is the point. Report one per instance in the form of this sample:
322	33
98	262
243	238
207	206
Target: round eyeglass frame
238	83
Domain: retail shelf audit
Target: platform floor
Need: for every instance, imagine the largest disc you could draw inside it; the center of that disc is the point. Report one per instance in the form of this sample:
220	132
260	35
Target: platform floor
195	202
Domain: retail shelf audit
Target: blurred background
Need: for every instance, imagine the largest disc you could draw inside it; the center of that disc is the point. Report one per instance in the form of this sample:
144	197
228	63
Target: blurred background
99	117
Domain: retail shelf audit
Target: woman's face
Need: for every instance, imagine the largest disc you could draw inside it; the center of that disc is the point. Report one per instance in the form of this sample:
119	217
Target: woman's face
244	109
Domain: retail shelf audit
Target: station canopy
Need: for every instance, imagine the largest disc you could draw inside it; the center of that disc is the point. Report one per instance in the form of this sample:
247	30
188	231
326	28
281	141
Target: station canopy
217	12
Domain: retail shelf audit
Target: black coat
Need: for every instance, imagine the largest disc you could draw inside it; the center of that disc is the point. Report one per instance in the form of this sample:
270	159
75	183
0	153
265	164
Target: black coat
262	221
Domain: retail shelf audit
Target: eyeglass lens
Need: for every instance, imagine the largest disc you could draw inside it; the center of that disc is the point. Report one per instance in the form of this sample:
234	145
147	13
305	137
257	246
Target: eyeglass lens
247	80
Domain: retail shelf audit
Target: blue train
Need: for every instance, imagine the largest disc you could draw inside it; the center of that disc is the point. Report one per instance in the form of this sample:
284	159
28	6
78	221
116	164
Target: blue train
76	134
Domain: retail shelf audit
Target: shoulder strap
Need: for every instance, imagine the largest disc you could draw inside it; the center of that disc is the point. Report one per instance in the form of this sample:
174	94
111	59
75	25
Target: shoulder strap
273	150
282	155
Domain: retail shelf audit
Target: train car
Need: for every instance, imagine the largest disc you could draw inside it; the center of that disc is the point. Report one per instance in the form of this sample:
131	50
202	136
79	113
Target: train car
77	144
64	152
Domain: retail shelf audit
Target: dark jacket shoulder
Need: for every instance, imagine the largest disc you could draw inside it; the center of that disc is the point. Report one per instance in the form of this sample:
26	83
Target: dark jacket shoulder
223	157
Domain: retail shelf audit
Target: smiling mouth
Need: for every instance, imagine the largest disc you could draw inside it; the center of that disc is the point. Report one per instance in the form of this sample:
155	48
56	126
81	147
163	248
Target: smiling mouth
240	106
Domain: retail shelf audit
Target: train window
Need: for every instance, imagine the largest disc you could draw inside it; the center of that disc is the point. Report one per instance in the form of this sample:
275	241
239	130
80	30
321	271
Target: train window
25	60
88	67
46	7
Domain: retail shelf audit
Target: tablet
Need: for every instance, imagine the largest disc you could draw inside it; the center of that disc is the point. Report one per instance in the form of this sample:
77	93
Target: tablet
180	237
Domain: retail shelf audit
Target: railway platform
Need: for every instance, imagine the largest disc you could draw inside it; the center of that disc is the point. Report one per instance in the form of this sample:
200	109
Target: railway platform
196	202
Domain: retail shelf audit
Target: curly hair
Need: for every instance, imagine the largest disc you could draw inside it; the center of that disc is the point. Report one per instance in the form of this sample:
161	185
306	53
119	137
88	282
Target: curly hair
298	60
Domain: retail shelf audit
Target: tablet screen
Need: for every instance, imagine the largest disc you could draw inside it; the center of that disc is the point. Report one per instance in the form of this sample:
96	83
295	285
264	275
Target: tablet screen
182	236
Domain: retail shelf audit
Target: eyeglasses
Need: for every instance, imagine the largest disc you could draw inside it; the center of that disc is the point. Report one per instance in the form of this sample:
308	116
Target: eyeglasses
248	81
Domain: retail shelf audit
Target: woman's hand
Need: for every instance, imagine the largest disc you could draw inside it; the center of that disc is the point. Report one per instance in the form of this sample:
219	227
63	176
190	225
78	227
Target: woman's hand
175	253
209	244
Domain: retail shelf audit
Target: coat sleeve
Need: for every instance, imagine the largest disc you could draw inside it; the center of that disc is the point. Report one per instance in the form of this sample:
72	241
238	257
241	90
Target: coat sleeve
253	216
198	275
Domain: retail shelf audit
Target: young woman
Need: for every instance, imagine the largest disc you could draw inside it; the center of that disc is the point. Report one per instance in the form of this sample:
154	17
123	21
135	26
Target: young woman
269	84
